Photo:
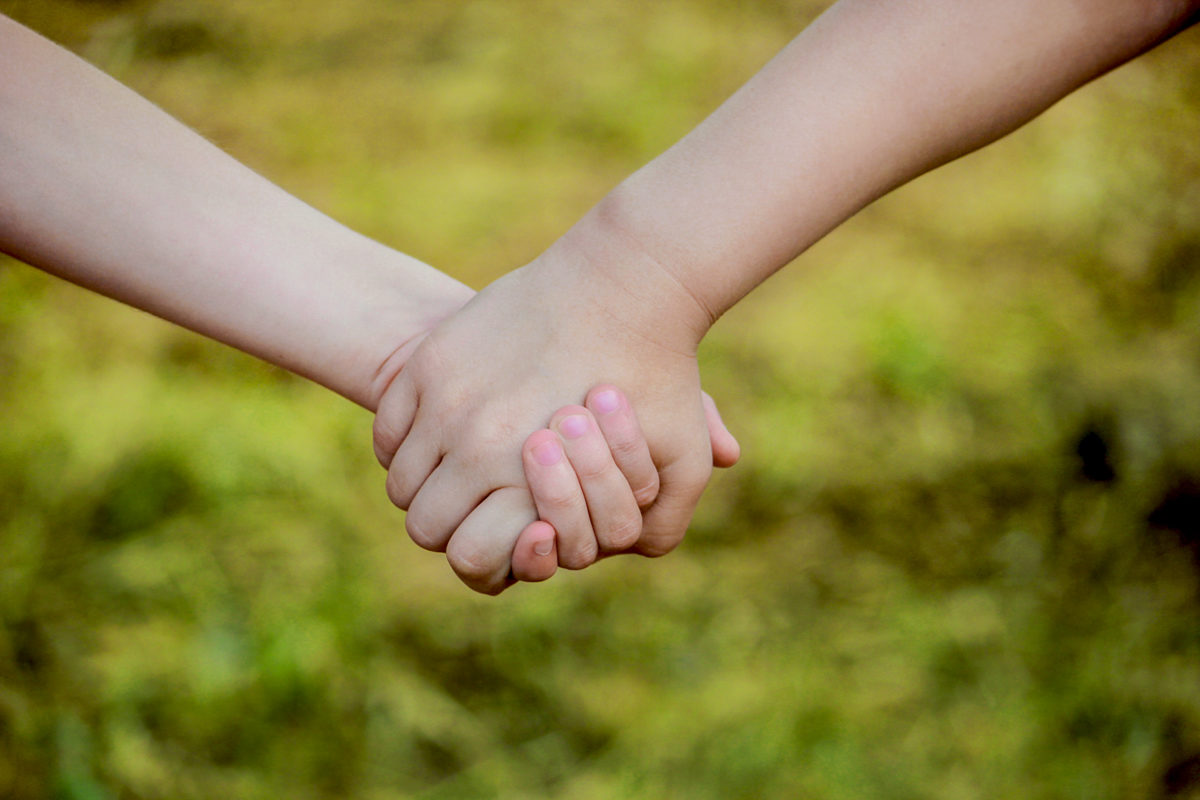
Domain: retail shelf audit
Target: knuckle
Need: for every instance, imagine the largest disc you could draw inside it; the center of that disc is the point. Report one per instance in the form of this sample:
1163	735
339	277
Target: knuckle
623	532
425	535
559	499
400	494
580	556
589	469
385	439
382	456
472	567
626	448
662	533
491	588
657	547
646	493
491	428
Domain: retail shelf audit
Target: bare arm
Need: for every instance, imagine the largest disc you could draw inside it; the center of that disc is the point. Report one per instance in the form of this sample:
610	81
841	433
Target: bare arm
102	188
99	186
870	96
874	93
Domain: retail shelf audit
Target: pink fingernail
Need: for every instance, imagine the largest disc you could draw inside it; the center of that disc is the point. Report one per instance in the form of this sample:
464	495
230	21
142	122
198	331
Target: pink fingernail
573	426
548	453
606	402
544	547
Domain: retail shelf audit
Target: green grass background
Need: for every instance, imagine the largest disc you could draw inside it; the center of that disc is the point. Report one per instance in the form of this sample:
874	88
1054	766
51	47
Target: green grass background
912	587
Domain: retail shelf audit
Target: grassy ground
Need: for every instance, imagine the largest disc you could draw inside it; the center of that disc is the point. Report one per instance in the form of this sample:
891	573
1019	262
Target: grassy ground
959	560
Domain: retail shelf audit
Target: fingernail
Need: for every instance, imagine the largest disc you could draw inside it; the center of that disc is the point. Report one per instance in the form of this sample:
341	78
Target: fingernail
544	547
573	426
548	453
606	402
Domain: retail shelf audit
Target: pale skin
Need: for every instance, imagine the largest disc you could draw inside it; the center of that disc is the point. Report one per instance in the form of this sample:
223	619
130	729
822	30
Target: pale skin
870	96
102	188
865	99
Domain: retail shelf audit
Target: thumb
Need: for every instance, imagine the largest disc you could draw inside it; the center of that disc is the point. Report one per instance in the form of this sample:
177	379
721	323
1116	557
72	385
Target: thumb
725	448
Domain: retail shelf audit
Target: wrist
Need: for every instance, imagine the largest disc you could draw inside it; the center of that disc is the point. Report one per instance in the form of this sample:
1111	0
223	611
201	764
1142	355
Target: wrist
392	302
615	268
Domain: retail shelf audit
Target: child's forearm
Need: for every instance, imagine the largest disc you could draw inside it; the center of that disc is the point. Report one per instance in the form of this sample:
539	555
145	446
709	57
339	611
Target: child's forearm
868	97
100	187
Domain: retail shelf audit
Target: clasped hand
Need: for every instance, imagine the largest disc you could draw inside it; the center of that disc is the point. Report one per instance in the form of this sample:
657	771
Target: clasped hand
488	476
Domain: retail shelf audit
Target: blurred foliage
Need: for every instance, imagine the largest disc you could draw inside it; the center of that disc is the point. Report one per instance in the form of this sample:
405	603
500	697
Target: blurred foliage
960	559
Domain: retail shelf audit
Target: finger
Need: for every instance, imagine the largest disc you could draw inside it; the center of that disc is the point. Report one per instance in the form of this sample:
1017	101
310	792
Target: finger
479	551
725	448
611	506
441	504
559	498
666	522
393	418
534	557
625	441
415	460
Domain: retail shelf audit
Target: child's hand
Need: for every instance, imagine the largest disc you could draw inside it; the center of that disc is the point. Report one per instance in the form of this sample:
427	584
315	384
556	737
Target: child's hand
456	415
574	480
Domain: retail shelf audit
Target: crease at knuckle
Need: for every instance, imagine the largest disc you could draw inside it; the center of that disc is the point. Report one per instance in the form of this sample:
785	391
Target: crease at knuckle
400	495
386	441
646	493
471	566
560	500
591	469
622	533
626	449
425	537
580	556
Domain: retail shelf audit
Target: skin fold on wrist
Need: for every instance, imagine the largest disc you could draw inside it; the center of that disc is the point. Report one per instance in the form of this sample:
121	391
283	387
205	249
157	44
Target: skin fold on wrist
605	261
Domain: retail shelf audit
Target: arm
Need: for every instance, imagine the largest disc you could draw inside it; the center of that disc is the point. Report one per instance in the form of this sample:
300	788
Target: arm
870	96
100	187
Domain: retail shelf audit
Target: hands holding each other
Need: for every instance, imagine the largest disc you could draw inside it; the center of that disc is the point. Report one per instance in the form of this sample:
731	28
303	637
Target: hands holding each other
581	471
450	426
